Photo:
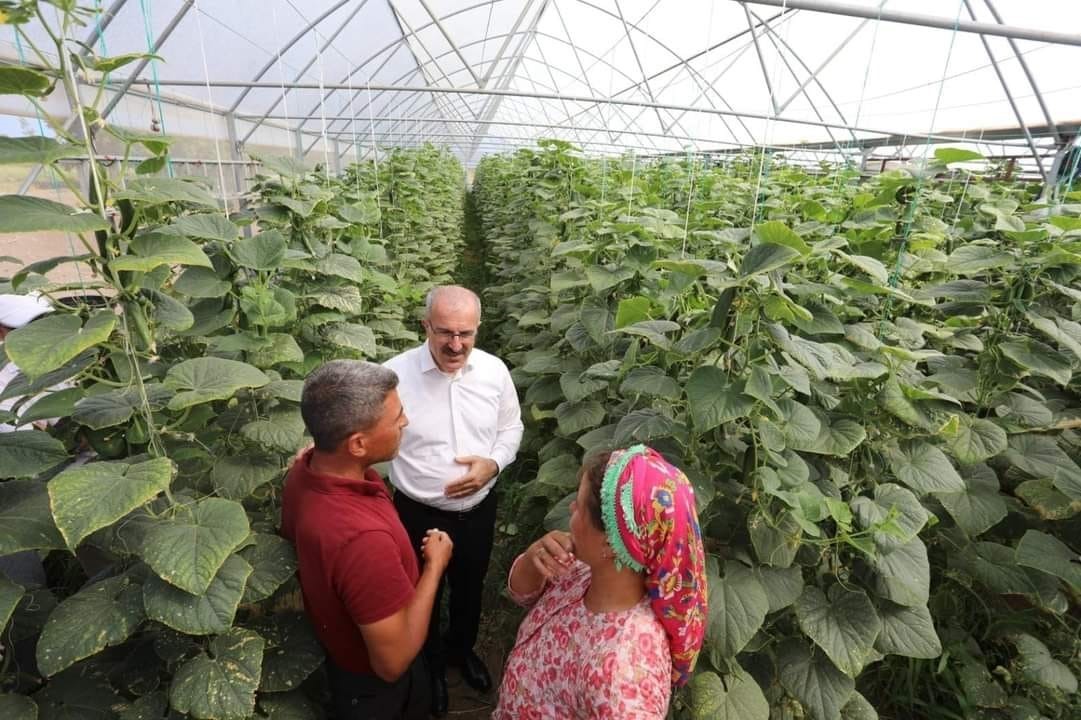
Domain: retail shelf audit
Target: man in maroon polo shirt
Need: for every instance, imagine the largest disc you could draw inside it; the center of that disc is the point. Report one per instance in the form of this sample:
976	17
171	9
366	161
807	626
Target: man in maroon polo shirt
367	599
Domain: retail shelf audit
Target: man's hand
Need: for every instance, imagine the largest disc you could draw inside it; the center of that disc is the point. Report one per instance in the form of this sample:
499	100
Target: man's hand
436	547
481	470
552	555
300	453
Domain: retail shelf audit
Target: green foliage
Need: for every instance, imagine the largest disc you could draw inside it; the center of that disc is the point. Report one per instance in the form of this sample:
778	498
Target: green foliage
871	382
154	502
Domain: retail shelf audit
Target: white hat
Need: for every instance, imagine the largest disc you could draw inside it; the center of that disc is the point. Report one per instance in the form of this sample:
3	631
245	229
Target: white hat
18	310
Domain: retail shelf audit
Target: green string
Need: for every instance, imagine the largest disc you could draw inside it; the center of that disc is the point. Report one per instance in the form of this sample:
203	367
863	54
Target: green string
154	77
913	205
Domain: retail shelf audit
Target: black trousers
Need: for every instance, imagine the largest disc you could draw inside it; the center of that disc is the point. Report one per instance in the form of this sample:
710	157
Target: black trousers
367	697
472	533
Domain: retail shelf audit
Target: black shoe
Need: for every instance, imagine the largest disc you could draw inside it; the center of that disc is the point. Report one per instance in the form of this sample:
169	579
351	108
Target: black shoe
475	673
440	696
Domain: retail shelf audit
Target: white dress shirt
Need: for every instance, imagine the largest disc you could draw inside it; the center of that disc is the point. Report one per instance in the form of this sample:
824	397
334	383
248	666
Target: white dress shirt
473	411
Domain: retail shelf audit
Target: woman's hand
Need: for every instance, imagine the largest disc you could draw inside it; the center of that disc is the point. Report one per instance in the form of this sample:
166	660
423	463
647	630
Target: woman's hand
552	555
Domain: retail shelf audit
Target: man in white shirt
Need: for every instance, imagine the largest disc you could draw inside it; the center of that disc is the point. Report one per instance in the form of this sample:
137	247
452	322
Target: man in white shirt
465	426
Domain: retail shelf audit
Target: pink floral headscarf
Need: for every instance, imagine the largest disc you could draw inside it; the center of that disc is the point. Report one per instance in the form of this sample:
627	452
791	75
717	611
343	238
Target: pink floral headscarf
652	525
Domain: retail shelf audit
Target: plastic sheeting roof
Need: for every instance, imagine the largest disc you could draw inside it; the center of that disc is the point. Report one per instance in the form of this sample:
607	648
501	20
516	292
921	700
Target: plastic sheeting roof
655	76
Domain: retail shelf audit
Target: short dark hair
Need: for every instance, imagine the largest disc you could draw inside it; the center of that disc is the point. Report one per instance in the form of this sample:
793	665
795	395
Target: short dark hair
343	397
593	468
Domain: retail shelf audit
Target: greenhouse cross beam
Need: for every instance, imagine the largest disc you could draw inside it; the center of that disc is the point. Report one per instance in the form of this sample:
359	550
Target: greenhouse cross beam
932	21
435	89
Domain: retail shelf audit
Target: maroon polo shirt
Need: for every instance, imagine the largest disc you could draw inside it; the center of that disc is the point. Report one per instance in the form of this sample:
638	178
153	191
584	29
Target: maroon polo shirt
354	559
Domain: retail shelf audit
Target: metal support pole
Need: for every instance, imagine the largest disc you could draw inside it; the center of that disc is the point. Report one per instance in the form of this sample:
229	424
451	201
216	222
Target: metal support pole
450	41
1028	73
931	21
1009	96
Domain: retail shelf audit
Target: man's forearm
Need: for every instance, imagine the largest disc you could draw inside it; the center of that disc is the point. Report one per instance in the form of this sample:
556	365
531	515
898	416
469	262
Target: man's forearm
419	610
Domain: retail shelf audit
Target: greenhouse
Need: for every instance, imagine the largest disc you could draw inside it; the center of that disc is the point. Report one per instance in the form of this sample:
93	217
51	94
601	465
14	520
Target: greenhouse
739	341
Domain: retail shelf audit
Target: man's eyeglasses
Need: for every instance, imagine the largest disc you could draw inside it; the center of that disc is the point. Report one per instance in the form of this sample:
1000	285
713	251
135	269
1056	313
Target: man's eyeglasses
464	336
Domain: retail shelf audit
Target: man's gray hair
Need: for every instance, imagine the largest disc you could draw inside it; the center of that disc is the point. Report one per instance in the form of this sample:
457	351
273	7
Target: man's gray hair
343	397
434	293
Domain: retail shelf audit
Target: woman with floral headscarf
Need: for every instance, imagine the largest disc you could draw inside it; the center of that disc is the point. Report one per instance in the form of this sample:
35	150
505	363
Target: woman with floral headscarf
618	604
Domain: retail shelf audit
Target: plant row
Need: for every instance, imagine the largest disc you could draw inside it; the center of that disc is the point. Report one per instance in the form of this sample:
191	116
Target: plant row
871	383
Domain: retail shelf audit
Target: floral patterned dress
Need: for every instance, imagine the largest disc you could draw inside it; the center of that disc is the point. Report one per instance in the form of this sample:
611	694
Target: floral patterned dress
569	662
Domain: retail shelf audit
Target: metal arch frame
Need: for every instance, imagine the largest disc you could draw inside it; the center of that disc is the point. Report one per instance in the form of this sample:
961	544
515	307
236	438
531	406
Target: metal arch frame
276	56
931	21
632	121
492	106
775	39
1028	73
1009	95
703	85
315	58
572	98
449	39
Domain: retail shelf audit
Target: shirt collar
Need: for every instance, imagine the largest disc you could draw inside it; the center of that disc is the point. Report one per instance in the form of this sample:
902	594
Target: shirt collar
427	362
372	484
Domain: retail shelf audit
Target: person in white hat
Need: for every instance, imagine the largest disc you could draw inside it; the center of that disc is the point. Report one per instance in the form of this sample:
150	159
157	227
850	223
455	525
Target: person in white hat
17	311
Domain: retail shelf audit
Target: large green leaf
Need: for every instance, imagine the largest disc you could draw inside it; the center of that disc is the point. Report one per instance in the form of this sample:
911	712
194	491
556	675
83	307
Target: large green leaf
89	621
574	417
22	213
202	380
777	233
236	476
907	631
158	190
54	340
782	585
1038	665
273	561
283	431
221	685
899	506
837	436
904	574
117	406
1041	457
88	497
737	697
188	550
844	624
858	708
17	707
264	251
1039	359
652	330
715	399
924	468
813	680
766	257
207	226
976	440
281	348
343	266
26	523
775	544
25	453
15	80
10	594
1050	555
737	608
201	282
1043	497
169	312
353	336
1065	332
35	149
651	381
578	386
212	612
153	249
292	652
978	507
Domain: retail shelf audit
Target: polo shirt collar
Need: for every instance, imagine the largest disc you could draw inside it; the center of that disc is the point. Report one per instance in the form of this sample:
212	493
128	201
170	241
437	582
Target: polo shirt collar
372	484
427	362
